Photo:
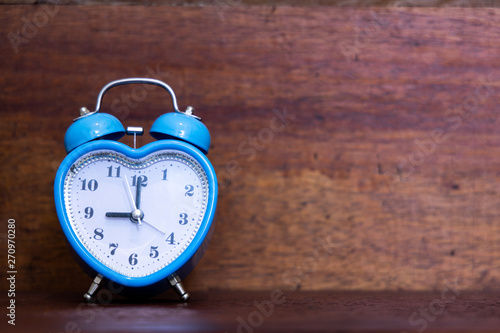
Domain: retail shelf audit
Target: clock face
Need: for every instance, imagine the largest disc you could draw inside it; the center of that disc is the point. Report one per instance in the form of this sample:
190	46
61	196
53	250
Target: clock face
136	216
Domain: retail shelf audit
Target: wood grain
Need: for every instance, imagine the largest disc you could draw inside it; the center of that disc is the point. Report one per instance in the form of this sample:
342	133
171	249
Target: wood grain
383	177
242	3
239	3
266	311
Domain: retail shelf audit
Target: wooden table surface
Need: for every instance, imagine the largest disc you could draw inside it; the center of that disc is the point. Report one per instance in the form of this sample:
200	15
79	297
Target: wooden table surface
446	310
389	167
334	175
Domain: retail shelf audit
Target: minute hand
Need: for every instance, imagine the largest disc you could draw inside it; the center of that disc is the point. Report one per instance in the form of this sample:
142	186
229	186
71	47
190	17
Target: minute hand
138	193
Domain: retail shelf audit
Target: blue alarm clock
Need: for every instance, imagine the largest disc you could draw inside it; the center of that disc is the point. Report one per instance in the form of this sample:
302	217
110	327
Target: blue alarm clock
139	217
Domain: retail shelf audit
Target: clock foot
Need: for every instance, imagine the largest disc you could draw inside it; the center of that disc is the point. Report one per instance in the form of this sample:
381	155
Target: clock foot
176	283
89	295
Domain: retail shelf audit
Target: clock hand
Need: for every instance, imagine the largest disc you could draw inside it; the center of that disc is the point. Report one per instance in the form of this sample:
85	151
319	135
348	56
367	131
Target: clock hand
114	214
138	203
131	197
135	216
163	232
138	193
129	215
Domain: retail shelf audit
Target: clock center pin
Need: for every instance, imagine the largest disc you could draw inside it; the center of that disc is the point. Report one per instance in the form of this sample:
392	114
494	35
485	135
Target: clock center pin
136	215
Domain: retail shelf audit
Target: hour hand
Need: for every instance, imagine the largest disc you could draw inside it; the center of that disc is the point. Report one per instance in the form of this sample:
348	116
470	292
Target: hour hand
114	214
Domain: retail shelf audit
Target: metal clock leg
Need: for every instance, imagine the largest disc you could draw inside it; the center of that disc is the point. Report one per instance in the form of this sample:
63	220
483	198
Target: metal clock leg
88	296
176	283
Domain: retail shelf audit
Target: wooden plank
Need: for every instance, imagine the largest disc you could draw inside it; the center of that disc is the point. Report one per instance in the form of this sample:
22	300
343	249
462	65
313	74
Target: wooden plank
238	3
267	311
370	183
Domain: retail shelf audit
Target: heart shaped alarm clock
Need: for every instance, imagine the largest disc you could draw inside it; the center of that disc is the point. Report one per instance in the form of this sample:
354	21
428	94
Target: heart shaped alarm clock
141	218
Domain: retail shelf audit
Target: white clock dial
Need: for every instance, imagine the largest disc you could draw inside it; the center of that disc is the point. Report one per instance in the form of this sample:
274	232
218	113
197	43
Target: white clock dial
136	216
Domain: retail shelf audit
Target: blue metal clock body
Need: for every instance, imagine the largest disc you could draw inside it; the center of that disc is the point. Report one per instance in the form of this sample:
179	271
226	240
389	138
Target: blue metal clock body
180	136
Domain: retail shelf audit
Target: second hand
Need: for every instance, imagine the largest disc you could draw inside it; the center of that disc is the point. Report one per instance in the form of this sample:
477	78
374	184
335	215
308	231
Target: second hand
131	196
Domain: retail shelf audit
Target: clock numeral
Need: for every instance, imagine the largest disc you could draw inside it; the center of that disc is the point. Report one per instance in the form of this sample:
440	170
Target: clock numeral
113	246
91	185
144	180
165	174
89	212
133	259
154	252
170	239
98	234
110	172
184	219
190	190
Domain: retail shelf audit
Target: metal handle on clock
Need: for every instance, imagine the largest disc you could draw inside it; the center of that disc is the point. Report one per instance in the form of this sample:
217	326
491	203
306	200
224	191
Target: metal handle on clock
135	80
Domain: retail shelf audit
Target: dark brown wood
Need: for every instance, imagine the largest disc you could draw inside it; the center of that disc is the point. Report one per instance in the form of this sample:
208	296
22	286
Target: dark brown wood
376	181
237	3
267	311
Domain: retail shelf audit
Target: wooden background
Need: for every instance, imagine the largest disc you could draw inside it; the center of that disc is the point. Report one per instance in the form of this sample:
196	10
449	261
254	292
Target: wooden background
389	160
